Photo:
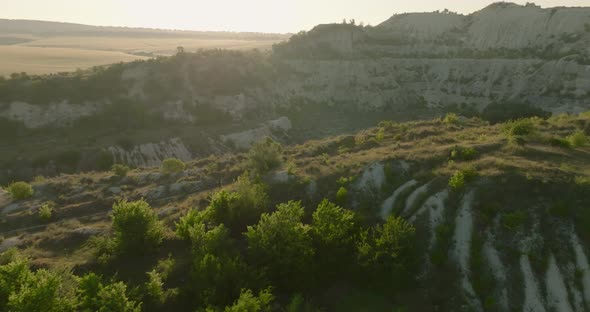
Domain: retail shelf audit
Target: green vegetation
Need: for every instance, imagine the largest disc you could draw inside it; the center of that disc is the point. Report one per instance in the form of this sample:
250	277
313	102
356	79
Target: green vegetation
341	195
172	165
136	227
265	156
120	170
578	139
283	244
451	119
463	153
20	190
513	220
247	302
46	210
457	181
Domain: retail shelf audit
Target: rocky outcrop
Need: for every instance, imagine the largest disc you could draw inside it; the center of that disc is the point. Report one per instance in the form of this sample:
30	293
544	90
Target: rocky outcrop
55	114
245	139
151	154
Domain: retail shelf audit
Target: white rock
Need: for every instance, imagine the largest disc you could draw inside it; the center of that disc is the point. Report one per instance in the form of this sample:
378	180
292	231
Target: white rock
388	204
557	296
9	243
533	301
115	190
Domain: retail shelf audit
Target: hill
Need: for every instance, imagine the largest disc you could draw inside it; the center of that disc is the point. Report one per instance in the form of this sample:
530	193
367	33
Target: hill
495	213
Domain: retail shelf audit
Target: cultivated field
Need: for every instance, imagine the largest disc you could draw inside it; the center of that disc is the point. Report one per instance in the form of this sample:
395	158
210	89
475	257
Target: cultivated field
161	46
35	60
38	47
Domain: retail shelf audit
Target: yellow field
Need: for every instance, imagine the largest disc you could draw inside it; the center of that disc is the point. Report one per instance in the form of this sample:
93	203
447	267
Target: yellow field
163	46
36	60
68	53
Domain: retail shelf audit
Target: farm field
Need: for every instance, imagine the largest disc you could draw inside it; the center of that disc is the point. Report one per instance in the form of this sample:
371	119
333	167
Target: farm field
36	60
38	47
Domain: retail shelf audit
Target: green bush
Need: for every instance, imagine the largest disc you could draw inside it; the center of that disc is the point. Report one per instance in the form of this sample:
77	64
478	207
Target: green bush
520	127
265	156
341	195
120	170
20	190
578	139
517	130
172	165
457	181
559	142
136	226
241	208
463	153
380	135
451	119
46	210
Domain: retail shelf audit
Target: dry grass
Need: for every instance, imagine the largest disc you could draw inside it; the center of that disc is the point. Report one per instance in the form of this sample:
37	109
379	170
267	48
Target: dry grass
36	60
68	53
164	46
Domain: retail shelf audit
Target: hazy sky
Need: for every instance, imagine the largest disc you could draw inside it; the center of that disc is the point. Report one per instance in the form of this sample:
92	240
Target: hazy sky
235	15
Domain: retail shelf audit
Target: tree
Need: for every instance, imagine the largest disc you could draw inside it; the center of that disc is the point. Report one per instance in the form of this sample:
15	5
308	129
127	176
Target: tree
387	251
136	226
281	244
217	270
247	302
335	233
24	290
241	208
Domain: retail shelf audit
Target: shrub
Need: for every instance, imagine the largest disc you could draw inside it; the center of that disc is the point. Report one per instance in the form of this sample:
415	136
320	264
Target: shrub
517	130
46	210
265	156
463	153
172	165
241	208
380	135
559	142
451	119
20	190
521	127
457	181
577	139
341	195
120	170
136	226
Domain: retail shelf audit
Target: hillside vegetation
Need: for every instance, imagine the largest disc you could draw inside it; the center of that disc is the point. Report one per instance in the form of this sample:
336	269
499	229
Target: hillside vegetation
419	225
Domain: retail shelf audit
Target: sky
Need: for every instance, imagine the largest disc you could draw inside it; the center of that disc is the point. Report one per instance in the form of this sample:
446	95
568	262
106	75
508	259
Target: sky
235	15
